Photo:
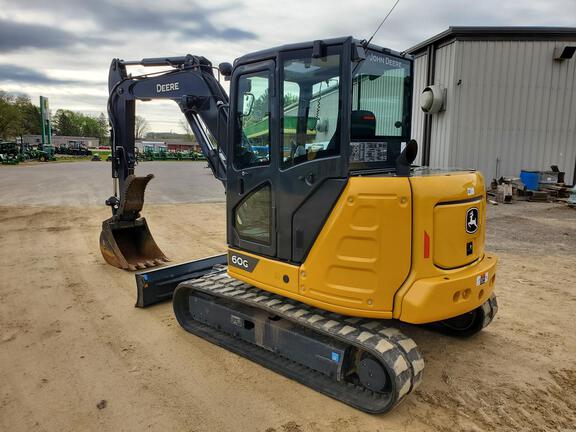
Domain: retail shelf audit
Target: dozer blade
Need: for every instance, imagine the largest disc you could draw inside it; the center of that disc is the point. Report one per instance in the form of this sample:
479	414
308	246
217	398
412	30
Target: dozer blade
125	240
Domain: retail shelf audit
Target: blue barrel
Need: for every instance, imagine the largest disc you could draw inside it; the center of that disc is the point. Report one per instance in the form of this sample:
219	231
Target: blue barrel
530	179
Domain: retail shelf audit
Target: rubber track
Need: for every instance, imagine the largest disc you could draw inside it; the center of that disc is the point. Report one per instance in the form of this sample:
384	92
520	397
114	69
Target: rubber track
490	308
398	353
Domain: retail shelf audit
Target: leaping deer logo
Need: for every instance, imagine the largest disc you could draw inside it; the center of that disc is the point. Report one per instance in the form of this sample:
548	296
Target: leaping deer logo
472	220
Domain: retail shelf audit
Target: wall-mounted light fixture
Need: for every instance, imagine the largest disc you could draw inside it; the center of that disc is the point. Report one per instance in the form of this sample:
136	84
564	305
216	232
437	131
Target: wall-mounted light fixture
433	99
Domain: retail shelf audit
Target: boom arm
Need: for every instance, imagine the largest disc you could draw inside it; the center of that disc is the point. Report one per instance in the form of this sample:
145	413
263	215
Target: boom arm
192	85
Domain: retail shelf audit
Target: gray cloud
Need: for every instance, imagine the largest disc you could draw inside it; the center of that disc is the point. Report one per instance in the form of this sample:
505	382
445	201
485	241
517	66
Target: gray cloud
26	75
190	19
221	30
15	36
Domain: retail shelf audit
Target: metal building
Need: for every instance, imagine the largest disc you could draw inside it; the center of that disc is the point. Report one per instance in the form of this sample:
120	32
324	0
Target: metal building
62	140
504	99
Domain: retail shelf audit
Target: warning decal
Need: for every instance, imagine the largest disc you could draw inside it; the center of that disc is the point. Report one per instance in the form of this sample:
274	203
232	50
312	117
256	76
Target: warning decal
368	152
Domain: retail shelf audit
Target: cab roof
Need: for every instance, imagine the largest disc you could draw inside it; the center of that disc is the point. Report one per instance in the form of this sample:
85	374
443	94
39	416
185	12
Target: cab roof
272	53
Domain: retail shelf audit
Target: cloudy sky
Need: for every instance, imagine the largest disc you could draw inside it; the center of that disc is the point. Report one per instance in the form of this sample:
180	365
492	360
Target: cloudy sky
62	48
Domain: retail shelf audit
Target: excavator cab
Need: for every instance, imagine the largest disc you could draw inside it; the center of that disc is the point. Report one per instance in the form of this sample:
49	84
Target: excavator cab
320	112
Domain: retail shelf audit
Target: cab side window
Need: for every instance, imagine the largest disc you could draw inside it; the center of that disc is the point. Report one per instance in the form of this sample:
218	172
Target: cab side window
252	120
311	101
253	216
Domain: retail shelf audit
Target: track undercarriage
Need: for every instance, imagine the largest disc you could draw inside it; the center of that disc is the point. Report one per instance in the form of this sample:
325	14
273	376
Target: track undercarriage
365	363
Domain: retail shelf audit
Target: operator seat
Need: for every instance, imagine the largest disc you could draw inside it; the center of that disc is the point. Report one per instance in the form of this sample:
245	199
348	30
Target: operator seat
362	125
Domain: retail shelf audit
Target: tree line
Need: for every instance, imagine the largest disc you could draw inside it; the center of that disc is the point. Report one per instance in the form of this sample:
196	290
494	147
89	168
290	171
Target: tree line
19	117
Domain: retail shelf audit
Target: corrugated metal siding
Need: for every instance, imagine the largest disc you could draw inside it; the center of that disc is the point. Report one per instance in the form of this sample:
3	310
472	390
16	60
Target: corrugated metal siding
514	108
441	142
387	110
417	114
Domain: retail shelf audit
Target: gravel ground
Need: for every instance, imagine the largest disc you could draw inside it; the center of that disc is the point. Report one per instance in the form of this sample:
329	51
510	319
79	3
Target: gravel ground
76	355
89	183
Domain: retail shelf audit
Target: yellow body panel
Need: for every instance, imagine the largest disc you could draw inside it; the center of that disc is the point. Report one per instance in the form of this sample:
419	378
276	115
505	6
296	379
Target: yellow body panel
268	274
362	254
392	247
448	252
440	297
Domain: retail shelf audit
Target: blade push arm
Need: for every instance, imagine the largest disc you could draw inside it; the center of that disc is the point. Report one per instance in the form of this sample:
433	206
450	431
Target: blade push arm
191	84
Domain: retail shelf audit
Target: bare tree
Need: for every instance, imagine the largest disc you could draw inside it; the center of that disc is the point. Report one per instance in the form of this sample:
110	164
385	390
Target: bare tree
187	130
141	127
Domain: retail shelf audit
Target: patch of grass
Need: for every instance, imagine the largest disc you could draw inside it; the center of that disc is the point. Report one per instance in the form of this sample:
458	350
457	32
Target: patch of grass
68	158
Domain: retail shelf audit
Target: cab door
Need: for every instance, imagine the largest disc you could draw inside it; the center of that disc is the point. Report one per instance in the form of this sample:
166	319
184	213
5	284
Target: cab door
250	188
313	140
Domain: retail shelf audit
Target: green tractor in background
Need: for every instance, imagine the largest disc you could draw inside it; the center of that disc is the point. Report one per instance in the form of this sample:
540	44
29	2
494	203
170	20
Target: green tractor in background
152	153
155	152
10	153
45	153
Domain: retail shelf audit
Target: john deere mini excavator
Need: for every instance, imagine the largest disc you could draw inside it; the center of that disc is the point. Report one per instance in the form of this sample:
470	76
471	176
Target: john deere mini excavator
331	232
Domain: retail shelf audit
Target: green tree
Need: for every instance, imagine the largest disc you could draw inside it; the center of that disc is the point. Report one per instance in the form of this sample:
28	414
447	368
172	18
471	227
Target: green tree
104	129
260	107
290	99
67	123
70	123
8	115
90	126
18	116
29	119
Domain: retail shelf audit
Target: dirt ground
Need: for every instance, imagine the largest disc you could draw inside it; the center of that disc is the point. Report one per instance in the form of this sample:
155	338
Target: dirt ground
76	355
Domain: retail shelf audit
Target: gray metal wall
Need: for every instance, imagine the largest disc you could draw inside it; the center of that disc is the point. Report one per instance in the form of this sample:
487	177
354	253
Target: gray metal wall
417	114
442	142
509	106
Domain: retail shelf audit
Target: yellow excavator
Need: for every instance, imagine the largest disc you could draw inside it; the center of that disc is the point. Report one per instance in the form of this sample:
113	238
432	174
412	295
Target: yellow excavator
332	232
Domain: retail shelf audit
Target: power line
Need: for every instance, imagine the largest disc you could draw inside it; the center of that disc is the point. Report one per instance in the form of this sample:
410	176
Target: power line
383	21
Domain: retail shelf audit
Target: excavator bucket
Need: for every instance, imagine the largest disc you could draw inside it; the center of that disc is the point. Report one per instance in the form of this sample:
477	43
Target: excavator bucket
125	240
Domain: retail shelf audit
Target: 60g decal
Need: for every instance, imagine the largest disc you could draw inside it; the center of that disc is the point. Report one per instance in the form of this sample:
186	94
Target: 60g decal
242	261
239	261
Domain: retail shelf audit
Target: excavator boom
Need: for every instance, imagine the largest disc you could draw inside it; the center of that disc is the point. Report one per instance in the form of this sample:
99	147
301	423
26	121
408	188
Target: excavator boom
126	241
